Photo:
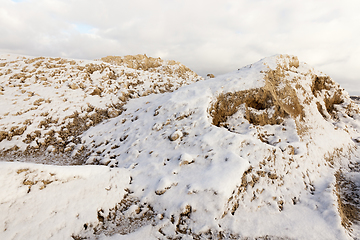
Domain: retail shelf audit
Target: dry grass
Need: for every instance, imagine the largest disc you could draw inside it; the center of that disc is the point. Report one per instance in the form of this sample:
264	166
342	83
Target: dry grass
122	83
121	221
14	131
3	135
278	100
348	200
331	98
249	181
59	140
139	62
145	63
30	179
126	217
259	103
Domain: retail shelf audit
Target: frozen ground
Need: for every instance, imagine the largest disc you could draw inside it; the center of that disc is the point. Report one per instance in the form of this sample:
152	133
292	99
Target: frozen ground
269	151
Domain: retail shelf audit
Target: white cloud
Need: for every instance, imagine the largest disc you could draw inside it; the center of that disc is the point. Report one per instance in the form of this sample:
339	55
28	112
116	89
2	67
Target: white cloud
206	35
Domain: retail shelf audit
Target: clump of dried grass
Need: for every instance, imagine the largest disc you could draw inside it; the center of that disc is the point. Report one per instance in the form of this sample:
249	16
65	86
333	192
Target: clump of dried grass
249	182
145	63
348	200
3	135
119	220
332	97
258	102
138	62
14	131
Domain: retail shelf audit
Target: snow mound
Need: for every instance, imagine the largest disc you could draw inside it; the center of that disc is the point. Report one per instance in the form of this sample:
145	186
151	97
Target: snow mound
47	102
266	140
269	151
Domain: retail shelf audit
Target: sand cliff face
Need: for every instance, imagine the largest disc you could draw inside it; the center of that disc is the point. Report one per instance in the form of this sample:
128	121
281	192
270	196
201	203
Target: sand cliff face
265	151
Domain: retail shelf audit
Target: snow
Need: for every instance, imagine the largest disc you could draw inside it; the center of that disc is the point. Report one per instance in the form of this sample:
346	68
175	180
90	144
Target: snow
164	151
42	95
71	197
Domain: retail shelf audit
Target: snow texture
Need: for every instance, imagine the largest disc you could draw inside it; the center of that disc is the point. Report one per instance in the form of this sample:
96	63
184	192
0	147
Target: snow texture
269	151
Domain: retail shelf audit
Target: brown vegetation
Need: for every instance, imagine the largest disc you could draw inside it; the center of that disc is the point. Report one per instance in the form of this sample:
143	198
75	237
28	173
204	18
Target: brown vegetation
333	95
120	220
122	83
139	62
267	105
348	200
145	63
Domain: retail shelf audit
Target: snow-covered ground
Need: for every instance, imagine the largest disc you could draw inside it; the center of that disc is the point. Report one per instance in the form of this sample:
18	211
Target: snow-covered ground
356	99
269	151
47	102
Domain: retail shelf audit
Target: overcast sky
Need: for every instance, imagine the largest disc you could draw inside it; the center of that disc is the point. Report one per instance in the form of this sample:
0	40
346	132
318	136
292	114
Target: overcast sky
208	36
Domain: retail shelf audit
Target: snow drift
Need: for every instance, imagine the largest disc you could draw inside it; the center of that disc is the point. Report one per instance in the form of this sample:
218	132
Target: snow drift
269	151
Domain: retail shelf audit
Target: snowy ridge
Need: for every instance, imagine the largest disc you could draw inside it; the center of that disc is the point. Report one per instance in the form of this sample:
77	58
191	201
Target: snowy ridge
267	151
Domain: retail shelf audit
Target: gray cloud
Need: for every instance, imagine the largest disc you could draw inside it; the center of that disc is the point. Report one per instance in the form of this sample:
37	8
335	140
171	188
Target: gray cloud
206	35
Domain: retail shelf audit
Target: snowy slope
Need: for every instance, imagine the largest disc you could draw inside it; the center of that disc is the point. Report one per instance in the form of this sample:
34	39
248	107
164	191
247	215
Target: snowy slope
53	202
47	102
269	151
356	99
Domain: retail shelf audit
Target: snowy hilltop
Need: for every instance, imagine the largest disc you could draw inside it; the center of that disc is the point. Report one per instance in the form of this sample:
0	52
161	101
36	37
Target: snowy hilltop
269	151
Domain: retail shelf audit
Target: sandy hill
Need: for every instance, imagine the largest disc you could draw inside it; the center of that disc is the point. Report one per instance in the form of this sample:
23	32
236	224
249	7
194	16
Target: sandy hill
269	151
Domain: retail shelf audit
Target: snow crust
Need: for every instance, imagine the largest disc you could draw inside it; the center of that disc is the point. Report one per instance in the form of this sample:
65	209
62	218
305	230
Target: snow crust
54	202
